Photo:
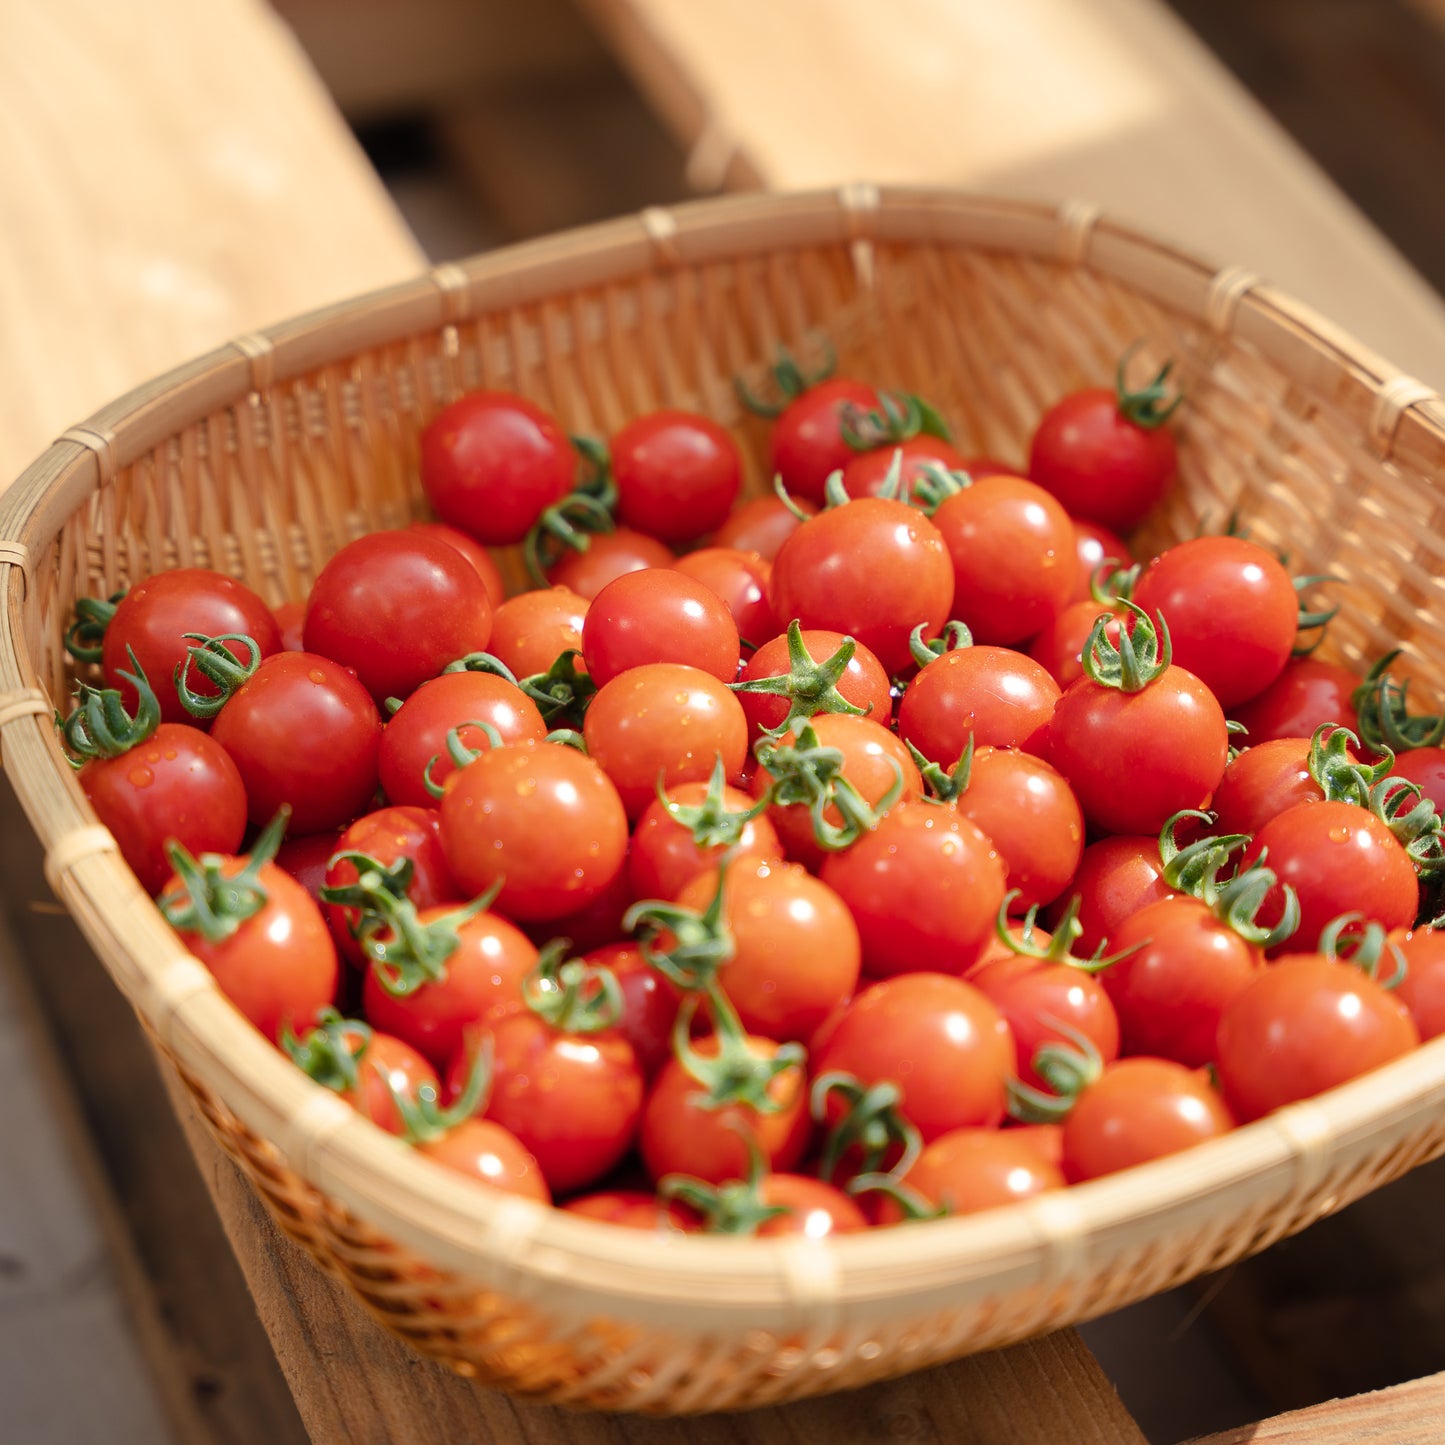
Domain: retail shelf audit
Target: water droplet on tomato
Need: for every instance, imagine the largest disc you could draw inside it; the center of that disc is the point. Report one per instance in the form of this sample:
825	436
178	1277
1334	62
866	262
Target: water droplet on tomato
316	675
1340	833
140	776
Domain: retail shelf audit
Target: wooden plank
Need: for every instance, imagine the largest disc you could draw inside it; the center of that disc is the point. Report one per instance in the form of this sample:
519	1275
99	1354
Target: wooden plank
354	1382
1409	1414
1113	101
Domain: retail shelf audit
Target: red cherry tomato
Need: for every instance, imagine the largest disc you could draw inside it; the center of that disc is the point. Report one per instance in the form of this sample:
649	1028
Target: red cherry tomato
634	1209
492	463
650	1003
395	608
1306	1024
1264	780
306	858
290	619
384	1068
862	683
609	555
483	1150
968	1170
1306	694
866	474
810	1207
1094	545
1425	767
677	474
807	444
659	615
483	563
153	618
1059	645
1115	877
761	525
741	580
531	630
1422	990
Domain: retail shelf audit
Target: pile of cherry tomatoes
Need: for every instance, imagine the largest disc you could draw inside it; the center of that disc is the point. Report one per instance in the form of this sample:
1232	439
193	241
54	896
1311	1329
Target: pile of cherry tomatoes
887	847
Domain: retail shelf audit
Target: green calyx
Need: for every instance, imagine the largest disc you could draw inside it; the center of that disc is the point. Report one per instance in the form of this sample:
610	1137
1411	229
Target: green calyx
459	753
898	417
1111	583
872	1123
332	1052
1381	703
789	380
85	637
1149	406
807	775
100	727
810	686
570	524
733	1207
424	1121
1342	778
735	1074
1142	654
934	484
944	785
711	822
1060	945
1312	619
562	693
1068	1068
219	666
570	994
1365	945
955	636
702	943
210	903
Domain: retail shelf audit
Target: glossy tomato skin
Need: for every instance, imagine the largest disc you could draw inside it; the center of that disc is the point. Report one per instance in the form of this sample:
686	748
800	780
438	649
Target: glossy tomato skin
483	977
649	1002
681	1136
396	607
492	463
1188	967
1232	611
179	783
1305	1025
1013	552
1095	544
279	967
543	819
390	836
385	1067
663	720
483	1150
874	569
634	1209
807	444
665	857
1134	759
609	555
1339	858
659	615
1116	877
1098	463
813	1208
943	1042
1037	996
925	887
303	731
1264	780
796	952
306	858
997	696
531	630
417	732
677	474
1306	694
969	1170
483	563
290	618
761	525
1140	1109
1058	646
866	474
152	618
741	580
573	1100
1028	810
863	683
1425	767
1422	990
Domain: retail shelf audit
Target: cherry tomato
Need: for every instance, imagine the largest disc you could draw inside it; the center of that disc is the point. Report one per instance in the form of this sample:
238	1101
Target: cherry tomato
968	1170
741	580
531	630
659	615
417	732
609	555
1232	611
290	619
1140	1109
807	444
650	1002
663	721
543	820
1099	463
945	1045
924	886
179	783
302	731
997	696
1306	694
1425	767
384	1066
634	1209
153	618
761	525
1422	990
1116	877
483	563
396	607
306	857
874	569
1306	1024
1013	552
810	1207
665	854
1264	780
492	463
866	474
483	1150
862	683
1059	645
1094	545
677	474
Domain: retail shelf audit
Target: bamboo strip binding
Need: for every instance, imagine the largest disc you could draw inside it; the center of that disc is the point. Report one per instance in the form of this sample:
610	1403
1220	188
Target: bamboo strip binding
266	455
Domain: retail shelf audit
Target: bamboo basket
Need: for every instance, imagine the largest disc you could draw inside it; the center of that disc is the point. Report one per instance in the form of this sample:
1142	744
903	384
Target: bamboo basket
265	456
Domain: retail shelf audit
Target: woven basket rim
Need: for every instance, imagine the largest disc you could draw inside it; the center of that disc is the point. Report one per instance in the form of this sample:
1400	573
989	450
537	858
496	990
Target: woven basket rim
512	1244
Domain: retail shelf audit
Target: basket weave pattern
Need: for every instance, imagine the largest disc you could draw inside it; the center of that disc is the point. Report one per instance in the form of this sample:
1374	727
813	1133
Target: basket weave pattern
263	458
